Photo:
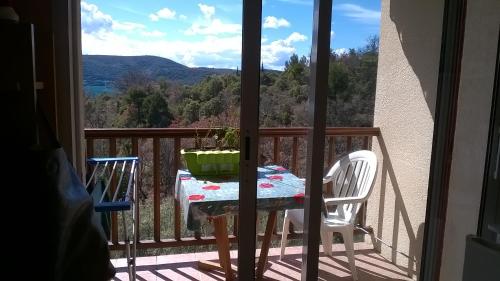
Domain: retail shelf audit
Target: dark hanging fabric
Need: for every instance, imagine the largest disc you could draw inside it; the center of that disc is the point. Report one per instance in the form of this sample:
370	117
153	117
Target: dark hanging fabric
77	244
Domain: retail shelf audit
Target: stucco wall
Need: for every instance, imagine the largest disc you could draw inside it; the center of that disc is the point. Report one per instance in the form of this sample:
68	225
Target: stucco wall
471	132
410	42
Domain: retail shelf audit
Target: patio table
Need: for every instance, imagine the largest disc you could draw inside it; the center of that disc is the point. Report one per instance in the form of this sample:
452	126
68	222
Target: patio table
205	198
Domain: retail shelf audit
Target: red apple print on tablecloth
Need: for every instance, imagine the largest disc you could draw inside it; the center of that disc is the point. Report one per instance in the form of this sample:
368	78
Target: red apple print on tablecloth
266	185
211	187
299	198
281	169
185	178
196	197
275	177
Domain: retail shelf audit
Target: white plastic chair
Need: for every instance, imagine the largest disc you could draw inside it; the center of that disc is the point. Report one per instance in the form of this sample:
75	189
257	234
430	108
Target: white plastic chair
353	179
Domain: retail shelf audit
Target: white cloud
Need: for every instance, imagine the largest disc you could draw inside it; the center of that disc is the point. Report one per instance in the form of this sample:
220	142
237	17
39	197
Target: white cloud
103	35
359	13
208	11
222	52
211	25
183	17
94	20
164	13
154	33
273	22
277	52
295	37
216	26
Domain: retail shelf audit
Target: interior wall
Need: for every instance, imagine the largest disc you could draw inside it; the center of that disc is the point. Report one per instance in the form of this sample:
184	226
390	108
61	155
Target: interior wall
410	45
471	133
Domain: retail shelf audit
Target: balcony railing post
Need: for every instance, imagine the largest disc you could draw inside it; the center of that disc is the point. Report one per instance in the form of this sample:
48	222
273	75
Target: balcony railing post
135	152
177	206
156	188
114	215
295	149
348	144
276	150
331	159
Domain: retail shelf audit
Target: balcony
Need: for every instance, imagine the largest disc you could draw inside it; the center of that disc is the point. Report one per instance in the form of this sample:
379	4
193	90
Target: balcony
169	251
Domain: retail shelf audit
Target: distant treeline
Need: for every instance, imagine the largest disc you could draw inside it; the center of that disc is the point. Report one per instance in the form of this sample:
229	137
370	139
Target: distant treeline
144	101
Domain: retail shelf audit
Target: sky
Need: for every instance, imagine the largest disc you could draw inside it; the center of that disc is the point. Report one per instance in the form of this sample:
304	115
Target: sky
208	33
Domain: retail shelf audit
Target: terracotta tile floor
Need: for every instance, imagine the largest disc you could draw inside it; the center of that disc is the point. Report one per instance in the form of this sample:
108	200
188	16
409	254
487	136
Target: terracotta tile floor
371	266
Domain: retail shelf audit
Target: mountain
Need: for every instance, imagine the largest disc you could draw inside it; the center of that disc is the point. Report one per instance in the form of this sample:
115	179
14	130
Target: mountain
99	71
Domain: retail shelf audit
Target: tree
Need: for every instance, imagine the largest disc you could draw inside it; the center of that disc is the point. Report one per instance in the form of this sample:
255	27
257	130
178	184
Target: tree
212	107
352	80
134	100
295	69
191	110
157	114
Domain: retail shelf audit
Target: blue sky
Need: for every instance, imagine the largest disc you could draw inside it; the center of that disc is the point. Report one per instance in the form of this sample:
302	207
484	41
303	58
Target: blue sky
208	33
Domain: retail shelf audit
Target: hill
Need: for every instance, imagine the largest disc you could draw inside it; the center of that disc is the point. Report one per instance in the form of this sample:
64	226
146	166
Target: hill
100	71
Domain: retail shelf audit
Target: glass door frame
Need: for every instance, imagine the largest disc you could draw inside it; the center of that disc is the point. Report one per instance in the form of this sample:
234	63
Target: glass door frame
249	136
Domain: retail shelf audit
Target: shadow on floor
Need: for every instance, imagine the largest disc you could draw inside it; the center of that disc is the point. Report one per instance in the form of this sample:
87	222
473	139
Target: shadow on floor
370	266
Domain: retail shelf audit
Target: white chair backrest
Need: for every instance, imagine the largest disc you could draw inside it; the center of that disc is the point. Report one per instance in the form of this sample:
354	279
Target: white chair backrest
353	176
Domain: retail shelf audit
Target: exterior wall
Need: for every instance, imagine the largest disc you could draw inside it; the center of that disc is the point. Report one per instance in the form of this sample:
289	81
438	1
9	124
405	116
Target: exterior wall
410	42
471	133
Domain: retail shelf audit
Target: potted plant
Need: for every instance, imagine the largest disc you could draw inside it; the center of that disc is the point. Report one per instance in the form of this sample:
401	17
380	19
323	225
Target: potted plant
223	159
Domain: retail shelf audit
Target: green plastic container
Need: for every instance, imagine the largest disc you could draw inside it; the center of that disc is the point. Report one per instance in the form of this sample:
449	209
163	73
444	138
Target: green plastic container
212	162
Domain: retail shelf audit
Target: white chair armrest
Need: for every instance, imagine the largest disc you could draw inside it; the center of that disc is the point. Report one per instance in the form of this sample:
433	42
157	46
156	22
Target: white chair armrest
344	200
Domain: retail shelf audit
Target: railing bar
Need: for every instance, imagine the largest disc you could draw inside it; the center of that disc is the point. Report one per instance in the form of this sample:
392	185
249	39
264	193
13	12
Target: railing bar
114	215
136	211
276	150
365	142
295	149
98	133
135	152
156	187
331	158
276	159
177	205
349	144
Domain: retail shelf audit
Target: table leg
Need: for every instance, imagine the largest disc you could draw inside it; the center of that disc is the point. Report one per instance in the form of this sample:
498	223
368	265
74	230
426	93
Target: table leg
222	239
271	221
